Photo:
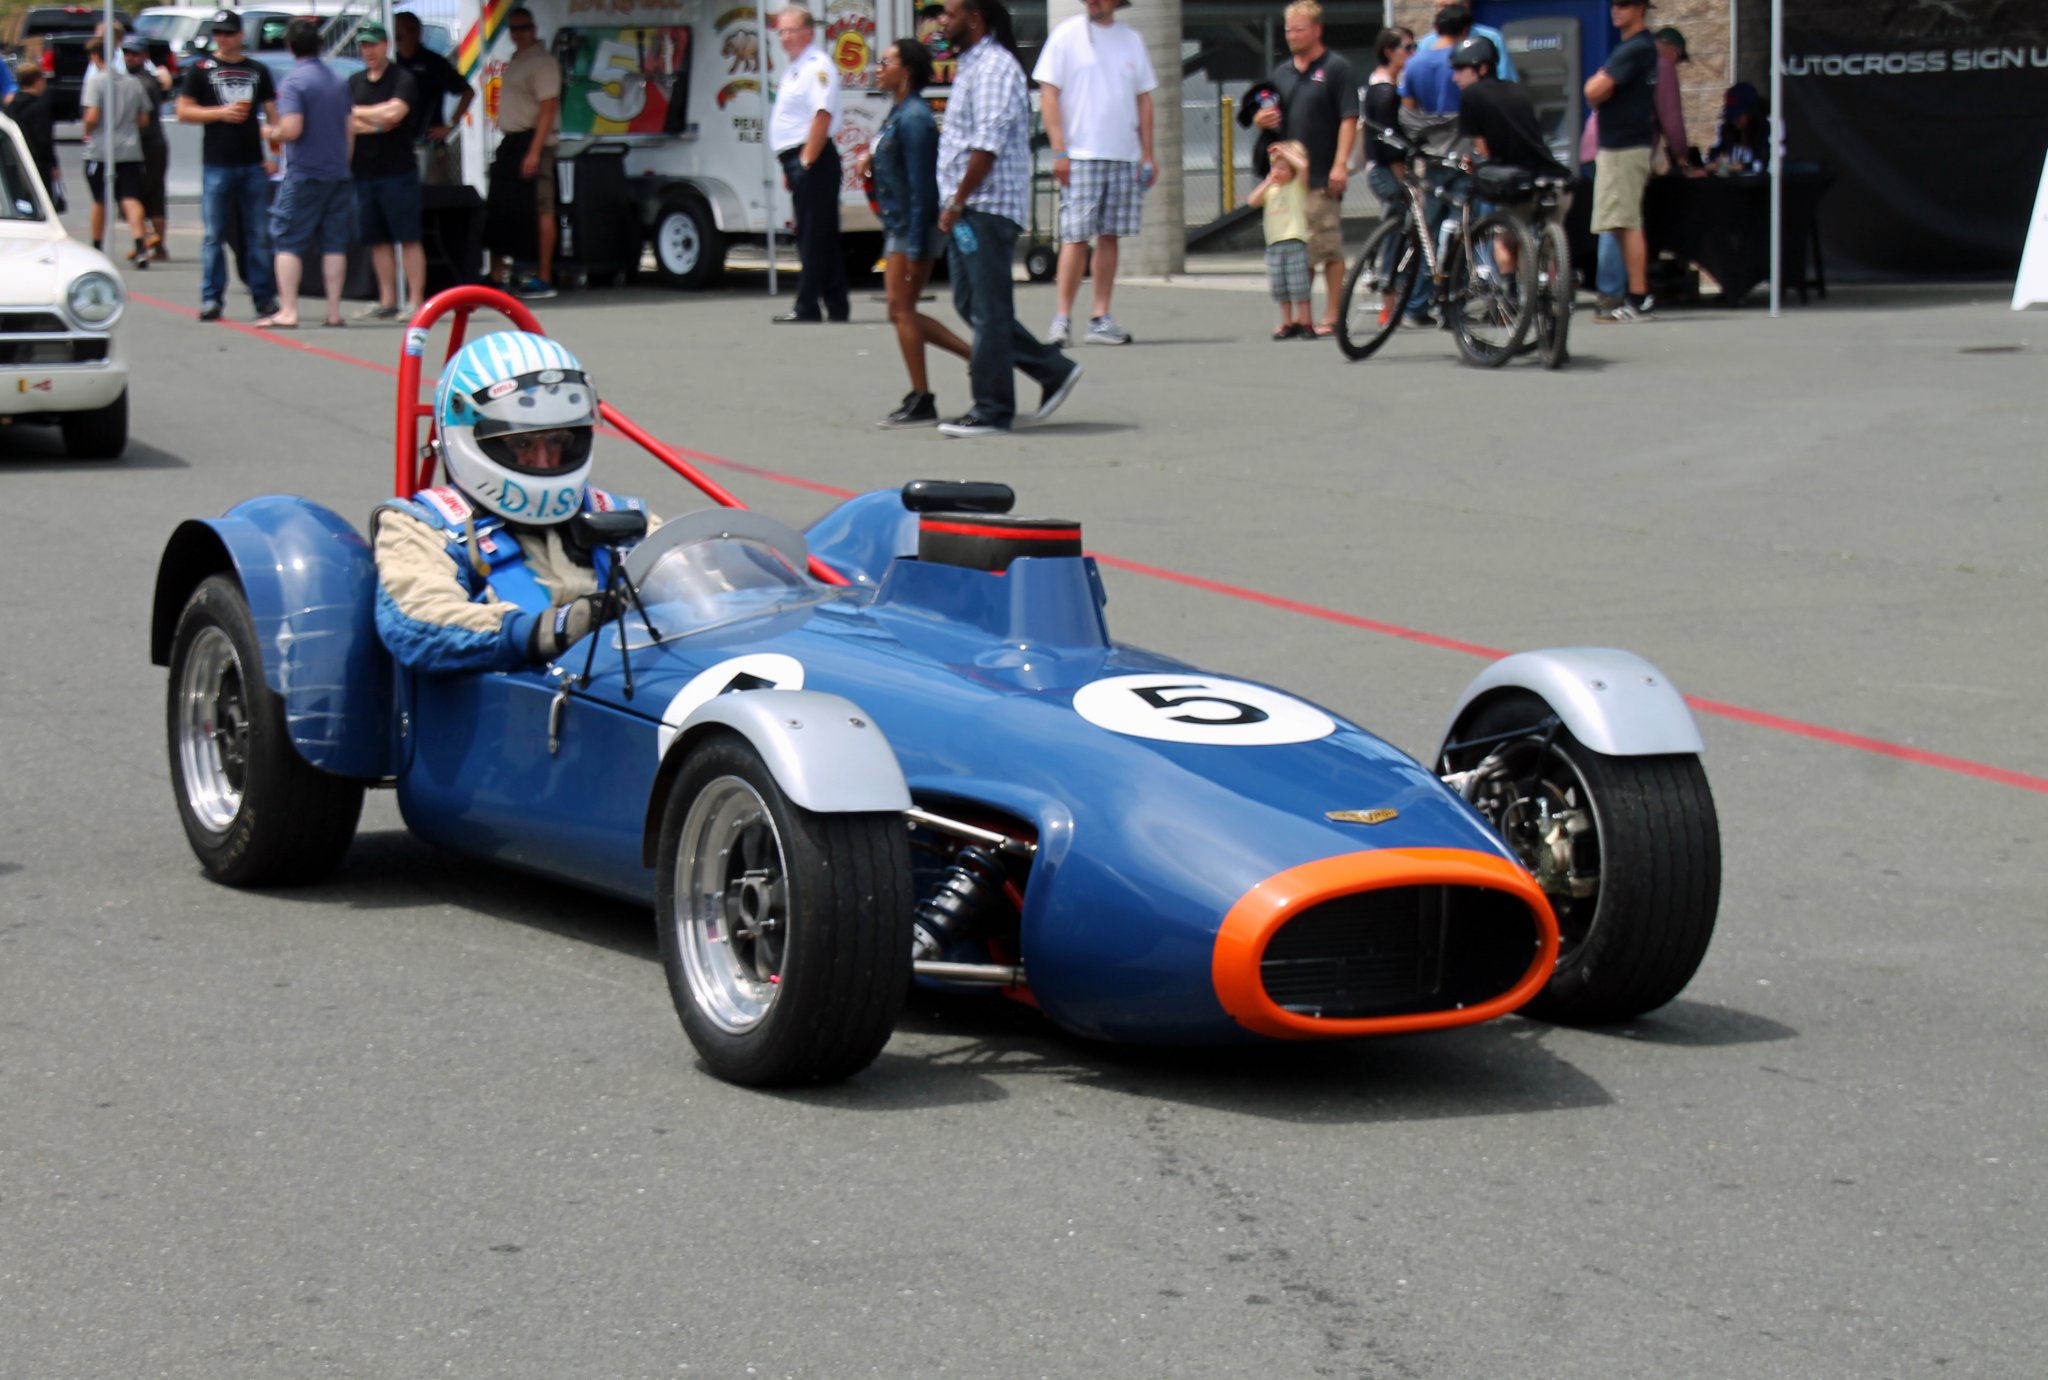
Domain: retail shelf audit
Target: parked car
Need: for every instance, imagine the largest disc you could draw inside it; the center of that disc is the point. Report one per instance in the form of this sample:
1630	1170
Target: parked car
57	36
61	359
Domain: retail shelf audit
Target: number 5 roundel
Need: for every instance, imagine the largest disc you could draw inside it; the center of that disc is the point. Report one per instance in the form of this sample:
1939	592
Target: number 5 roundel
1200	709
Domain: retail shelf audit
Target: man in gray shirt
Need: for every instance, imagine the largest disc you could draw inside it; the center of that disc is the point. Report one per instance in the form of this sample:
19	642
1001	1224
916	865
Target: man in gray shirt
115	108
315	208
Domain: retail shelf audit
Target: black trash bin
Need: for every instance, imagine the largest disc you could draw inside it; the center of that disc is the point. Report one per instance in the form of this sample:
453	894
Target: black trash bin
452	234
600	231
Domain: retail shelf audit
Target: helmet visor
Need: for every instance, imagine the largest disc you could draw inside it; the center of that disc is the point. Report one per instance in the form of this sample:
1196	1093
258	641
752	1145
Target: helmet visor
540	453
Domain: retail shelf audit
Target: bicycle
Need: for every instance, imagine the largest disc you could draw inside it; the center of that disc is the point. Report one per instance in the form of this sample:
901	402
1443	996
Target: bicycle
1489	313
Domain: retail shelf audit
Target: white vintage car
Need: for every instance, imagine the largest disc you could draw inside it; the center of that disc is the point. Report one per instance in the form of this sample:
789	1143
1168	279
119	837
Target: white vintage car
61	359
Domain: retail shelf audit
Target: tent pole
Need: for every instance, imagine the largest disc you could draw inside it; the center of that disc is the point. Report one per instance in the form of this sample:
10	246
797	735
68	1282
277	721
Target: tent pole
1777	134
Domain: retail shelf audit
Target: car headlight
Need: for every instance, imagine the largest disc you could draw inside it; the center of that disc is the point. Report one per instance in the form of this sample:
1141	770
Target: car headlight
94	299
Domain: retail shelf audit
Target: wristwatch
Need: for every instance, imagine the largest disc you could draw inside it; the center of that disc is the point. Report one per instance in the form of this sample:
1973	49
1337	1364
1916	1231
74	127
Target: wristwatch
956	206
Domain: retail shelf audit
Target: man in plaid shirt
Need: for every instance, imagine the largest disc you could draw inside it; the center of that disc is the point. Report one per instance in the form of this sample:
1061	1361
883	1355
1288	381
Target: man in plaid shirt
985	176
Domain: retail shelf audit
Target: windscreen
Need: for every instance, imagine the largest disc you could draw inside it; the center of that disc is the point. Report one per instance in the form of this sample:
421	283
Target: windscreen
18	182
719	581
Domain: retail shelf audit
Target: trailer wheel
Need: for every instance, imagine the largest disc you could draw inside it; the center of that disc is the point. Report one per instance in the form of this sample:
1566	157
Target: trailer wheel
689	252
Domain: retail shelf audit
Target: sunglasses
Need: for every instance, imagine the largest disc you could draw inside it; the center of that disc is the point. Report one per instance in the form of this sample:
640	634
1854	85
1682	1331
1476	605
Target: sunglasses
520	28
1407	47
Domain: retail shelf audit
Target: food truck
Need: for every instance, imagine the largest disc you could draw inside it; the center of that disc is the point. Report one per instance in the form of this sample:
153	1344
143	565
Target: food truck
677	93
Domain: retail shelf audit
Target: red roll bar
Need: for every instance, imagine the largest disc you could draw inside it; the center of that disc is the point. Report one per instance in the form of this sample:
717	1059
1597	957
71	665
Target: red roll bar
414	468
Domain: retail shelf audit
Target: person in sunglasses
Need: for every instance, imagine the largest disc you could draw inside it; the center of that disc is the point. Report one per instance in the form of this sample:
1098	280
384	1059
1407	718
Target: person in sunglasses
519	216
490	572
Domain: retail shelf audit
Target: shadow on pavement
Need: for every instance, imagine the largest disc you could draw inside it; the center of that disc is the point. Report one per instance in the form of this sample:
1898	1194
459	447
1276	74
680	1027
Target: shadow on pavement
40	449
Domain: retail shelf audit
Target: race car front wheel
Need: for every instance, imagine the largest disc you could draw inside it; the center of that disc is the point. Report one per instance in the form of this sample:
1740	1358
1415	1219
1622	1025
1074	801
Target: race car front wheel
1628	849
785	933
255	812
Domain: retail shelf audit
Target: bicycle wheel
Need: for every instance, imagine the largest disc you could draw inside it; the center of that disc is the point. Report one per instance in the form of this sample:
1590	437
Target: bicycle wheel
1385	270
1490	311
1554	290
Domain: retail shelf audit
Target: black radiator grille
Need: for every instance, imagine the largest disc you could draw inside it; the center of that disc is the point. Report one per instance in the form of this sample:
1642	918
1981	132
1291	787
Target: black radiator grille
28	354
1398	950
32	323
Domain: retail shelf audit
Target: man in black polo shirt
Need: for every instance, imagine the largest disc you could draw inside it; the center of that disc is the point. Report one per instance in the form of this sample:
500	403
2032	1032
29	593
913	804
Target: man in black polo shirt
436	80
1319	106
386	175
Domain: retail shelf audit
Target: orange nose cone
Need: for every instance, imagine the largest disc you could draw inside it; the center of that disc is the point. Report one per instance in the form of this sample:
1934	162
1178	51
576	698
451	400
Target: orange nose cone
1249	928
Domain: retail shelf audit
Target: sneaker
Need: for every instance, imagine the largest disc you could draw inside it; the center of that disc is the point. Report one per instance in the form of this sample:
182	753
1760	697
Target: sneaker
1626	315
970	425
1062	332
1417	321
209	311
376	313
1055	394
534	289
1103	330
919	409
265	310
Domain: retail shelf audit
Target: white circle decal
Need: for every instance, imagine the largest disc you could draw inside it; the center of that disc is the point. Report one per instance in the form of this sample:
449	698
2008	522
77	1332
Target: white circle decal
754	671
1200	709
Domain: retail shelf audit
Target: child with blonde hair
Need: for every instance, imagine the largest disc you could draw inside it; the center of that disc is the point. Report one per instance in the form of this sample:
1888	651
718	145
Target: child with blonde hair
1284	196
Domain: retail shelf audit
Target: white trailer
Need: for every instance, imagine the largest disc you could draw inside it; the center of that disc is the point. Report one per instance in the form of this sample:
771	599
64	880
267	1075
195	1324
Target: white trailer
686	87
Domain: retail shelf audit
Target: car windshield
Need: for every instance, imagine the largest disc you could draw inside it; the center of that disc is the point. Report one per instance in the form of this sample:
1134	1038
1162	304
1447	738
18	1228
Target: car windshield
18	196
718	581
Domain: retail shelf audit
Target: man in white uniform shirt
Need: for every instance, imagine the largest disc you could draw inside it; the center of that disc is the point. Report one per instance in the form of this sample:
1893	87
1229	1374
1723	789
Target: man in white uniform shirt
801	132
1095	85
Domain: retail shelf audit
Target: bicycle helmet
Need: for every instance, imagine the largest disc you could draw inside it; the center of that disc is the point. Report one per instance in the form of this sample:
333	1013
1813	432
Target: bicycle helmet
1473	50
508	385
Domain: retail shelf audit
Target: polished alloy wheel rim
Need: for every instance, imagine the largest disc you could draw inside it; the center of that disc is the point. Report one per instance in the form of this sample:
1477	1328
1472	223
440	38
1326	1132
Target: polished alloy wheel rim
1540	803
213	730
732	905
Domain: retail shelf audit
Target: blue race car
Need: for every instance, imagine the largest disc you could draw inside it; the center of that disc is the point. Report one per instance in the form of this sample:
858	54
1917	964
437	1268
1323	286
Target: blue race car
903	746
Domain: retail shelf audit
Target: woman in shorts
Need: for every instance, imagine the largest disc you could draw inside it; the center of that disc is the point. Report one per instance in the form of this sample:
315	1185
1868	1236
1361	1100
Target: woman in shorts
902	166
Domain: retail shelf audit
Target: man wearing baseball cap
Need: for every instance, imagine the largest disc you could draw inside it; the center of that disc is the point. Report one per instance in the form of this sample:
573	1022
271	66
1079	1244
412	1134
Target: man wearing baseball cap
224	91
387	175
1625	91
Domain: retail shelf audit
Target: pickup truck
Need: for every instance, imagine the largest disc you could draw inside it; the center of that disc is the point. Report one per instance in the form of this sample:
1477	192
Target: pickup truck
57	37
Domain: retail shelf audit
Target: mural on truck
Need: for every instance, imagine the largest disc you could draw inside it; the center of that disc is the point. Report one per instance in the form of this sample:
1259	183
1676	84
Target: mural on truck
624	81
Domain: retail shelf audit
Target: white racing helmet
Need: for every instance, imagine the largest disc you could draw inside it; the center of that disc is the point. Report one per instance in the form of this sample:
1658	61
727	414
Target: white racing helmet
502	386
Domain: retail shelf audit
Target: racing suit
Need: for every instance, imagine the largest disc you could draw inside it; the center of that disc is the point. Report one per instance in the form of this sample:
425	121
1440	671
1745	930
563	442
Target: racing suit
461	589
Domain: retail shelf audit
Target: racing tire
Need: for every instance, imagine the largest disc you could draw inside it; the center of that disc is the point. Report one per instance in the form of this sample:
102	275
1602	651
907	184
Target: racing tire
255	812
1488	319
1359	328
100	434
1633	926
785	933
689	253
1554	292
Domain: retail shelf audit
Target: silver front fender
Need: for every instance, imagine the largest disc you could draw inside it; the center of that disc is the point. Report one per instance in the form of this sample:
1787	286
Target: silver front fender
824	750
1612	701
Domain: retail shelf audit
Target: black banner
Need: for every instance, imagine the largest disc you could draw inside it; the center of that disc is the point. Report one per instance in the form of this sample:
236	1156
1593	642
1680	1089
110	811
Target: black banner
1934	119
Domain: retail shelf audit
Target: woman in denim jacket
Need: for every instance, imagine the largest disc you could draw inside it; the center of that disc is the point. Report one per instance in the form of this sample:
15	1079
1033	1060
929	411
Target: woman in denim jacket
902	166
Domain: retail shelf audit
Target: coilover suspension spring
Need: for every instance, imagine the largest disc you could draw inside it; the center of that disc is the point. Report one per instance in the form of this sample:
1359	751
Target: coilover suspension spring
972	883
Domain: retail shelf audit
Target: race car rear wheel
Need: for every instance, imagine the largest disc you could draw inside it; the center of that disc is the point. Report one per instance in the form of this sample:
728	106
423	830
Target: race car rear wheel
255	812
785	933
1628	849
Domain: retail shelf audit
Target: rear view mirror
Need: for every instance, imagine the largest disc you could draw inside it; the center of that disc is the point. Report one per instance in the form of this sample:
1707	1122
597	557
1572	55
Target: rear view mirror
612	529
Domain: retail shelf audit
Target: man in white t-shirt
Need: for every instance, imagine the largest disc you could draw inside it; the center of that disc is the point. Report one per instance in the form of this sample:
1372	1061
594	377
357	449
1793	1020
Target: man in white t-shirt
1095	87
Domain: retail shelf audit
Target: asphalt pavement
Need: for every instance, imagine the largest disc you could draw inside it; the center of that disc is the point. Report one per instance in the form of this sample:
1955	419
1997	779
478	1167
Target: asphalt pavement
433	1118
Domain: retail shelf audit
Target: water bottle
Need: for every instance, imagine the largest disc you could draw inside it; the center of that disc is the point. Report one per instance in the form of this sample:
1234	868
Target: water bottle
963	235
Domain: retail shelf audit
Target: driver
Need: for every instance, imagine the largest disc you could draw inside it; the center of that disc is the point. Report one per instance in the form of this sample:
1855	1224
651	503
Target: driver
489	572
